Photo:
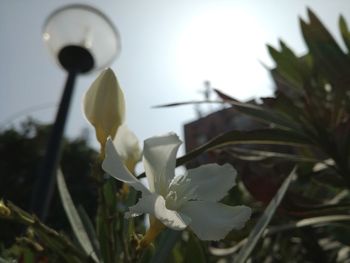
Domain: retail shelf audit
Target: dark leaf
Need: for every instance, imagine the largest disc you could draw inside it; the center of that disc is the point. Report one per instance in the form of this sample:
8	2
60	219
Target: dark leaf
264	220
74	218
328	57
261	136
344	30
255	111
166	243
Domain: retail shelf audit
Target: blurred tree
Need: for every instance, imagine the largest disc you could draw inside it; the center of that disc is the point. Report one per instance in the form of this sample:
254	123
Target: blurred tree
21	151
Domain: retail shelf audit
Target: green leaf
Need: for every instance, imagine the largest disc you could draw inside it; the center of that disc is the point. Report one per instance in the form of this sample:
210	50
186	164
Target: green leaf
328	57
224	96
264	220
288	67
280	120
194	251
146	255
260	136
295	110
344	30
107	228
90	230
54	242
313	221
262	114
73	216
258	155
28	256
166	243
102	233
109	191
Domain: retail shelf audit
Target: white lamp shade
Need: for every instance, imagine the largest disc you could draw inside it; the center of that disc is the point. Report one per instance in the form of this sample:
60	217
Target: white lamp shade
85	27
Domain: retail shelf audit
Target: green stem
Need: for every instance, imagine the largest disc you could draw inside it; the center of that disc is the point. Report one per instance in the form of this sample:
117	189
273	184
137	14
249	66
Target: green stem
53	241
105	229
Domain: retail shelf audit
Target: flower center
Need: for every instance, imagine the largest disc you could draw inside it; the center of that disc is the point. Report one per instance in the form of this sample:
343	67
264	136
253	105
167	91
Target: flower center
180	191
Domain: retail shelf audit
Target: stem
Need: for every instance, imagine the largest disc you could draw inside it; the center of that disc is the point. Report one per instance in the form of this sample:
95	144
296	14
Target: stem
122	239
49	238
106	227
151	234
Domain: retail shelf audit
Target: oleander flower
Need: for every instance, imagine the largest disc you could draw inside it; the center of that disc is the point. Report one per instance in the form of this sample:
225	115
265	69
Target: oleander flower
104	106
127	146
189	200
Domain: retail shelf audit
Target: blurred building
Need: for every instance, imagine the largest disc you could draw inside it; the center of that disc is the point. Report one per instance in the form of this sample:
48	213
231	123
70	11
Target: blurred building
256	174
207	127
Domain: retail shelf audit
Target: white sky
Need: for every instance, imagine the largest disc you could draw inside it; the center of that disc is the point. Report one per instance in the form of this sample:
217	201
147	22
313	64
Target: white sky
169	48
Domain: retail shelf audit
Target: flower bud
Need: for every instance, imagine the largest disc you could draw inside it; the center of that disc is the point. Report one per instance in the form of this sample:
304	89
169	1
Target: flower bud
104	106
127	146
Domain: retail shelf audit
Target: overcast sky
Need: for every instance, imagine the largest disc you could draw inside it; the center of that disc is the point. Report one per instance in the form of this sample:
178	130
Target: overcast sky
169	48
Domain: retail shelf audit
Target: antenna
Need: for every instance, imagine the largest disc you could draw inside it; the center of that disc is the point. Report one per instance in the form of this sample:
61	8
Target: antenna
206	92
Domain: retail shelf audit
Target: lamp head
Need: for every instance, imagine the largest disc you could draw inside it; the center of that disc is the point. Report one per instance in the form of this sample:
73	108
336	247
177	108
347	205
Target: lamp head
76	58
81	38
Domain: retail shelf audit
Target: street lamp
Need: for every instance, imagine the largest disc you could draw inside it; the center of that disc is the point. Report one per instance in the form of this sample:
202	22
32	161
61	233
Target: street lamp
81	39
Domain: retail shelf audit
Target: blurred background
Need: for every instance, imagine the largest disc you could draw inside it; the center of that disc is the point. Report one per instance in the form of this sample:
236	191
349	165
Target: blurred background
179	51
169	49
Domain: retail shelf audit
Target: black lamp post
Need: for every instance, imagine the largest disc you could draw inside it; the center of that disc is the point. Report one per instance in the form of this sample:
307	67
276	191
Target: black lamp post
81	39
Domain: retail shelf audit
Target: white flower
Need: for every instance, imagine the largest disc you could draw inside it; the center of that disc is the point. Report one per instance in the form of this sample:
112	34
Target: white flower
190	200
104	105
127	146
104	108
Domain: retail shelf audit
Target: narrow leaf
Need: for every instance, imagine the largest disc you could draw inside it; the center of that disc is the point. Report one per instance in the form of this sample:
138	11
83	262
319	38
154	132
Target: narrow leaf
344	30
327	54
262	114
264	220
224	96
194	251
258	155
260	136
320	220
313	221
288	66
73	217
165	245
90	230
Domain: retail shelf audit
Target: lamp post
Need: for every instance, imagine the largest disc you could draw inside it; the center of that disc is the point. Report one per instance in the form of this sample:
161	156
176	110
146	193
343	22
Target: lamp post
82	40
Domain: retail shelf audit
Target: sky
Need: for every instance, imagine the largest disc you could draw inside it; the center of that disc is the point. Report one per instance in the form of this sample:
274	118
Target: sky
169	48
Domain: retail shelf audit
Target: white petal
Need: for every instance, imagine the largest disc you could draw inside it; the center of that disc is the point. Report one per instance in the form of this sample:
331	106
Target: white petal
213	221
104	105
127	146
154	204
113	165
159	159
211	181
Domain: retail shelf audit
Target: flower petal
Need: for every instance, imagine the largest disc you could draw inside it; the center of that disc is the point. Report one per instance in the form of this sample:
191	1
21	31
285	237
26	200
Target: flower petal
104	105
154	204
127	146
159	158
213	221
211	181
113	165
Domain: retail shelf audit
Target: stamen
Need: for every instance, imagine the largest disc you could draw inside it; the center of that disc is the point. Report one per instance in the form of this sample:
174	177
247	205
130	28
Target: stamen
180	191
